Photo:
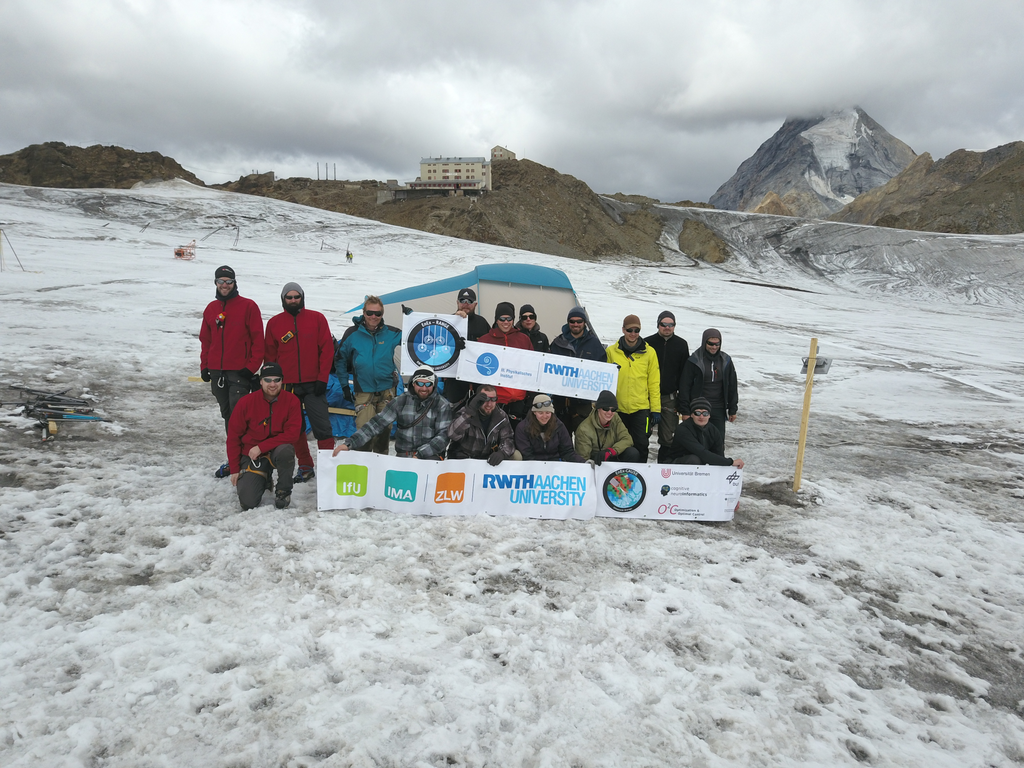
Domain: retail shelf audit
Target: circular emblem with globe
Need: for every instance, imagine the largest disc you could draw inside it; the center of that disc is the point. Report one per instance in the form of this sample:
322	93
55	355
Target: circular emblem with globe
624	490
432	342
487	364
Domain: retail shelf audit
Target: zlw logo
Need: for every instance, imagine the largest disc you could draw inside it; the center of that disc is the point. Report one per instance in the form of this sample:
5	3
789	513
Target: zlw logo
450	489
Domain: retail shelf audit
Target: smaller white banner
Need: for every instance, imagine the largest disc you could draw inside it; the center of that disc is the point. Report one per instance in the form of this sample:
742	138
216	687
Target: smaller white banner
429	339
536	489
668	491
535	371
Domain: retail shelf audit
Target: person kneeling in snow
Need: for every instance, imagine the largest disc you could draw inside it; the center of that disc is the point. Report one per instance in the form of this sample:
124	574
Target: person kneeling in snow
261	434
482	430
697	441
602	436
422	418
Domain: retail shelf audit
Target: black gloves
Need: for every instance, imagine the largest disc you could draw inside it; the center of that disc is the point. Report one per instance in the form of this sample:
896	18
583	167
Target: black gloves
496	458
473	406
597	456
460	343
347	391
406	310
245	373
655	418
320	388
205	374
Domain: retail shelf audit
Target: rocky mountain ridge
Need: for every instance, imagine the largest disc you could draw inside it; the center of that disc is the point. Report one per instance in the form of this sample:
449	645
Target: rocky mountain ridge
55	164
815	166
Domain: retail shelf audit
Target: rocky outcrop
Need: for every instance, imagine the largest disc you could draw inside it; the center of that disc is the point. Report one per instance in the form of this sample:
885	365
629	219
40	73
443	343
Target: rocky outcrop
964	193
699	241
773	204
817	165
55	164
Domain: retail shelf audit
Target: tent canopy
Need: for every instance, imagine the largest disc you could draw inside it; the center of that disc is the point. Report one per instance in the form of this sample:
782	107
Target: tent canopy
547	289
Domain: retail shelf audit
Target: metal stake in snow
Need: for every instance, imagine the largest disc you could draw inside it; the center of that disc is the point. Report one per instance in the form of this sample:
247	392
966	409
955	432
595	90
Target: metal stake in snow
812	363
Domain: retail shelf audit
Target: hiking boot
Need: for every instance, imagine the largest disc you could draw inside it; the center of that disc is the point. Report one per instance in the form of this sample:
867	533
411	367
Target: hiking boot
282	499
224	471
305	474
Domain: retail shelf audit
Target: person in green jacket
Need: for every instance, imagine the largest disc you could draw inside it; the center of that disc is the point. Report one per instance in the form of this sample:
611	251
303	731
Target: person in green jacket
639	387
602	436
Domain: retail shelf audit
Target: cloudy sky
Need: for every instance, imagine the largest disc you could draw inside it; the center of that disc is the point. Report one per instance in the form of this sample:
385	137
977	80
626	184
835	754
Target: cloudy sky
640	96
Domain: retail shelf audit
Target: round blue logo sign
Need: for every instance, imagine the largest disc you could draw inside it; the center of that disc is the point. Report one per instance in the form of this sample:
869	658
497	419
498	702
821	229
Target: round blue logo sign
487	364
432	343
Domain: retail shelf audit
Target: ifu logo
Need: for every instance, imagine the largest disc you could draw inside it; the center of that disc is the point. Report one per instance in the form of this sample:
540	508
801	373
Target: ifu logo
351	480
487	364
450	489
432	342
624	490
400	486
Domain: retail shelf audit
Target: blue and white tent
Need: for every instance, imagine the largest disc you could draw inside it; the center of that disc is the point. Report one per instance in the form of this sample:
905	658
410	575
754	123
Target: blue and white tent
547	289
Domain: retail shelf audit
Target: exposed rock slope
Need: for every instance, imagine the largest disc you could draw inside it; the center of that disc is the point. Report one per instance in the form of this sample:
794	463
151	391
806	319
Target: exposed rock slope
965	192
816	165
55	164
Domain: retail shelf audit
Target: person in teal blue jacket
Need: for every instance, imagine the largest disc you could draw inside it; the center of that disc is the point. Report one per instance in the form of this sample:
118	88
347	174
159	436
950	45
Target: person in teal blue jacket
367	351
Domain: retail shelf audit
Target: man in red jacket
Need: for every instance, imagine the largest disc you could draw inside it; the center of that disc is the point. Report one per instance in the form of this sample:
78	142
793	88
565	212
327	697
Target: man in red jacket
505	334
231	340
299	339
261	433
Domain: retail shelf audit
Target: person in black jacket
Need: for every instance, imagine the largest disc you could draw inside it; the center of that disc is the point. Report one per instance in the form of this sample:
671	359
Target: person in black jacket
576	340
699	442
528	324
672	353
710	373
543	437
457	392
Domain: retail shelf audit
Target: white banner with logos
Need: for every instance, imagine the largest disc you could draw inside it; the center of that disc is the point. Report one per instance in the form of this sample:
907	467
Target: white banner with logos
535	371
538	489
429	339
668	491
534	489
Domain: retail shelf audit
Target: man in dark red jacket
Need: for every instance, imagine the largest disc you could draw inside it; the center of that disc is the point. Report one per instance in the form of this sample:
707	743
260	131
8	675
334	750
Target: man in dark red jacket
261	433
505	334
231	340
299	339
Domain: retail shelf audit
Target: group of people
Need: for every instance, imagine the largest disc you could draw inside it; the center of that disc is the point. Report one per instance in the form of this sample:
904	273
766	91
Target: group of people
688	397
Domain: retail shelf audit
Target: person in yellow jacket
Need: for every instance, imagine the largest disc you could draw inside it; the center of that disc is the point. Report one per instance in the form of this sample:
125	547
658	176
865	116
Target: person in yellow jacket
639	388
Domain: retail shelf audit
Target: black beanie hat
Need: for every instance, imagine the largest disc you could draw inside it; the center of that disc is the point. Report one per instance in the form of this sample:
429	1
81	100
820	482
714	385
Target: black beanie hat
700	403
576	312
504	308
527	308
224	271
665	314
606	400
271	369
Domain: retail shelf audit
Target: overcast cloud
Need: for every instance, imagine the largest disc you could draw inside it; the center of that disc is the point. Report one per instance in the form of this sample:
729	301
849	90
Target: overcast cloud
658	98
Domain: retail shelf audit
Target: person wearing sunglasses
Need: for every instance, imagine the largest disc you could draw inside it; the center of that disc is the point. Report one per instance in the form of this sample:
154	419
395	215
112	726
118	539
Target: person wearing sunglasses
639	387
300	341
672	351
421	417
543	437
697	441
711	374
457	392
368	351
505	334
482	430
528	324
602	436
231	346
579	341
262	433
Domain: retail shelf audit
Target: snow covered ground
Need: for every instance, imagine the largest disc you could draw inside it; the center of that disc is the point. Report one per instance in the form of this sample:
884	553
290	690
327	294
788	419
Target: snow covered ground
875	617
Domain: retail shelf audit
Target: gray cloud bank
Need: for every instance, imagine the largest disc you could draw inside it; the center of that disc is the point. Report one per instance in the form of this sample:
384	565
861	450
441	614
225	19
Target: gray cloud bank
657	98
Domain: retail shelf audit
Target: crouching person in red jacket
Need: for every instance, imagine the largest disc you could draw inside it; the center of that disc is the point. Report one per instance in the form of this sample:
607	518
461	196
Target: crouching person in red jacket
261	435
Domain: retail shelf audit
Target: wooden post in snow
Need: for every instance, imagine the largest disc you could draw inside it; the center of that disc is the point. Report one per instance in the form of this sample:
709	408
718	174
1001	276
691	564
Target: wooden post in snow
812	360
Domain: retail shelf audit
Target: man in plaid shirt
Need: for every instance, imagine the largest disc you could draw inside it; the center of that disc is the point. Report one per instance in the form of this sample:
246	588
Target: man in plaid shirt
421	415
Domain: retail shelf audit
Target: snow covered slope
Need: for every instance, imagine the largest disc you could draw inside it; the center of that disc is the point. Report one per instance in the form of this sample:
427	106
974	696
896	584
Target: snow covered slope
875	617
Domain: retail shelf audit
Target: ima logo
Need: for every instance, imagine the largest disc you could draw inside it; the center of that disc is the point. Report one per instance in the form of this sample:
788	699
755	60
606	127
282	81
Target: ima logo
351	480
450	489
400	486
